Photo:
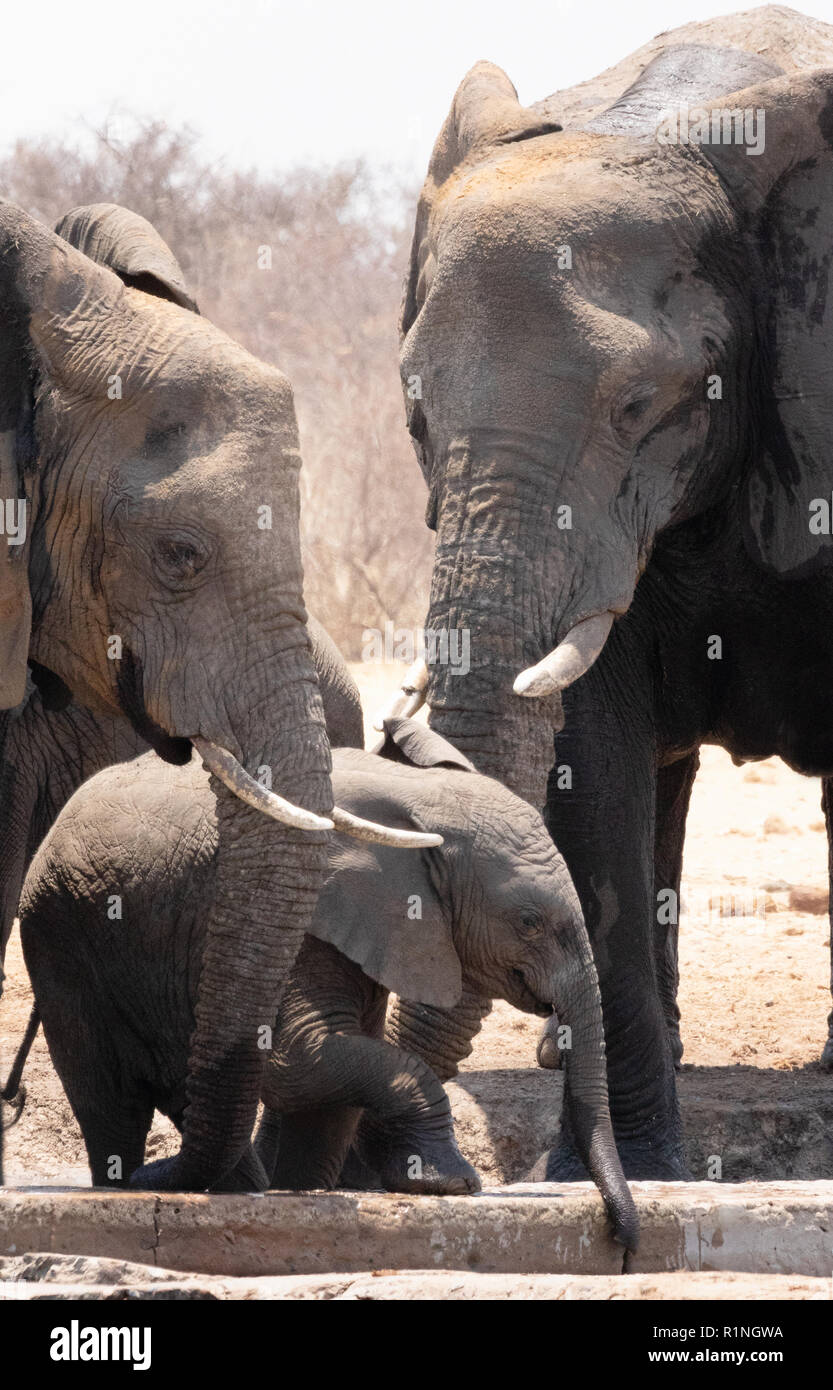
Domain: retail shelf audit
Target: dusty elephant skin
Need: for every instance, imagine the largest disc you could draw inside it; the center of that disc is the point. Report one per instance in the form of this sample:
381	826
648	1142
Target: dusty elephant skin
617	356
156	578
491	911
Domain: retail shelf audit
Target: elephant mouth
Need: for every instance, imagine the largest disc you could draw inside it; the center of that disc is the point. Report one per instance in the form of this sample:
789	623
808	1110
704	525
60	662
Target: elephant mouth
526	999
129	688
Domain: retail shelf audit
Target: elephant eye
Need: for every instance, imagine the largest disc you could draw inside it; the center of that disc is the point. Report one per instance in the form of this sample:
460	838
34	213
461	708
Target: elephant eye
630	414
178	558
531	924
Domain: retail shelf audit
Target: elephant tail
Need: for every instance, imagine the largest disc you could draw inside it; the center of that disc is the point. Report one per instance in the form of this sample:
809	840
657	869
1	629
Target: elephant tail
13	1093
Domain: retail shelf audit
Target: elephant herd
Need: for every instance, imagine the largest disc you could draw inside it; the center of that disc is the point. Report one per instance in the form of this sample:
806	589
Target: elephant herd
617	358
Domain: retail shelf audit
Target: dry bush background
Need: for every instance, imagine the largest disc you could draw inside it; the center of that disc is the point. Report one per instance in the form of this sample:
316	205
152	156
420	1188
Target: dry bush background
325	313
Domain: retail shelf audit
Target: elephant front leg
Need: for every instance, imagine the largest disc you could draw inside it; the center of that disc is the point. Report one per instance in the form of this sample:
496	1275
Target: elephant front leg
442	1038
601	814
674	784
413	1144
827	806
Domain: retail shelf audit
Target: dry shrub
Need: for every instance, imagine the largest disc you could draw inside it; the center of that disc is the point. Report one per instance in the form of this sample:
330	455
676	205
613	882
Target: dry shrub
325	313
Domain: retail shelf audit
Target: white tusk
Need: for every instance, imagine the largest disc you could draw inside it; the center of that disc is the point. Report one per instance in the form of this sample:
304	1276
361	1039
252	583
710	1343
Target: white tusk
409	697
225	766
375	834
569	660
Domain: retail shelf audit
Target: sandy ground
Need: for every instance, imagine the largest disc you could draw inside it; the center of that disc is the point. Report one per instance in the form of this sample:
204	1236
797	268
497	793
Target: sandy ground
754	958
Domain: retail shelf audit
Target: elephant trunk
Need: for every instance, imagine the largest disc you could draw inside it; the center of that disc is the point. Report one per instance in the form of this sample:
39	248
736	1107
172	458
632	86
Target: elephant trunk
267	881
578	1005
476	596
529	603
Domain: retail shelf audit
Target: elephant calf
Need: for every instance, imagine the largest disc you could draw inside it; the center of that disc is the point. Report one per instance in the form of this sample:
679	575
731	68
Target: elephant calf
112	924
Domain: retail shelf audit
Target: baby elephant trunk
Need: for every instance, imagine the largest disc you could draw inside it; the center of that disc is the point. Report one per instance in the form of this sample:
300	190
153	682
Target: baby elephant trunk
578	1005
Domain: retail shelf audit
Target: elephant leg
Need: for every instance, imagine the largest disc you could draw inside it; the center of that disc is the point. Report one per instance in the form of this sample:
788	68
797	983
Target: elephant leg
414	1149
115	1135
602	818
674	784
313	1146
442	1038
827	806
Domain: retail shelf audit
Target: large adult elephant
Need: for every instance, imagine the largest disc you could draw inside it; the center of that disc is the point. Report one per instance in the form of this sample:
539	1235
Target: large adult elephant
616	351
149	470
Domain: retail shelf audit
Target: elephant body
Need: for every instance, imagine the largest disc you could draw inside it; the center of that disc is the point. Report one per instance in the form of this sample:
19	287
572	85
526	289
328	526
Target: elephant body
624	350
155	578
113	919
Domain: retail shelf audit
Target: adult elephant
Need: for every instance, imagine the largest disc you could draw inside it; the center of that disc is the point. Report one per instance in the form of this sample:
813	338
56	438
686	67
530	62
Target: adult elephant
149	469
616	350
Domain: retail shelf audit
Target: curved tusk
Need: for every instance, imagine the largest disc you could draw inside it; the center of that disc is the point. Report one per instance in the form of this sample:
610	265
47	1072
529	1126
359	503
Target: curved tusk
375	834
225	766
409	697
569	660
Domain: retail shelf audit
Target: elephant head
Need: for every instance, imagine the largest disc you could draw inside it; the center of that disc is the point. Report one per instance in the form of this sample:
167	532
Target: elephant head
606	335
151	567
495	906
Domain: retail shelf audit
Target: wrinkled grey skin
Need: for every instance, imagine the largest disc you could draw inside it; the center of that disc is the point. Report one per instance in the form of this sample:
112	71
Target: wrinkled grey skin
49	753
142	522
493	910
535	386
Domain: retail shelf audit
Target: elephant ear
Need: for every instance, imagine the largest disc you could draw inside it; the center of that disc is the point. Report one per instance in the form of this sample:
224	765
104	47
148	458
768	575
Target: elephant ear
380	908
409	741
384	907
49	294
485	113
785	193
131	246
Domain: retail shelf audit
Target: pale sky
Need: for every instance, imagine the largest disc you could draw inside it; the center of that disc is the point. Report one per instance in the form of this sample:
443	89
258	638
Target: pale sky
274	82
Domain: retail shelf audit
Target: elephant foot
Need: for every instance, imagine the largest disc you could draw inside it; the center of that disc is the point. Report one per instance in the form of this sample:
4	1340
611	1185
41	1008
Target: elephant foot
640	1162
164	1175
169	1175
826	1061
435	1169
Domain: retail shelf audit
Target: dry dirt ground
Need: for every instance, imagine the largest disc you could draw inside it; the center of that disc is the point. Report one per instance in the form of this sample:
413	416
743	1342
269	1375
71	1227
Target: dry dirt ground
755	993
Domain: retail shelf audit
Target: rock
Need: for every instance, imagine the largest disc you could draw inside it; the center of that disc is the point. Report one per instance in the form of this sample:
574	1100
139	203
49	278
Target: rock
806	898
448	1285
528	1229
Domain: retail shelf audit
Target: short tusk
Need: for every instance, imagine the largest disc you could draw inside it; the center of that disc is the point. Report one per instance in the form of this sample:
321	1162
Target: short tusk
225	766
375	834
409	697
569	660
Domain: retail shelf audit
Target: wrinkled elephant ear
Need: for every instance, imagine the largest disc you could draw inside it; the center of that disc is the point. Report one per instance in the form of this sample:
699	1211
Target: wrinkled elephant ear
131	246
380	908
408	741
380	905
784	187
485	112
43	285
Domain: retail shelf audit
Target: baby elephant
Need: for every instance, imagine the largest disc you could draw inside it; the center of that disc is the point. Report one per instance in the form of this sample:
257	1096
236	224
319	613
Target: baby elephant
112	919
